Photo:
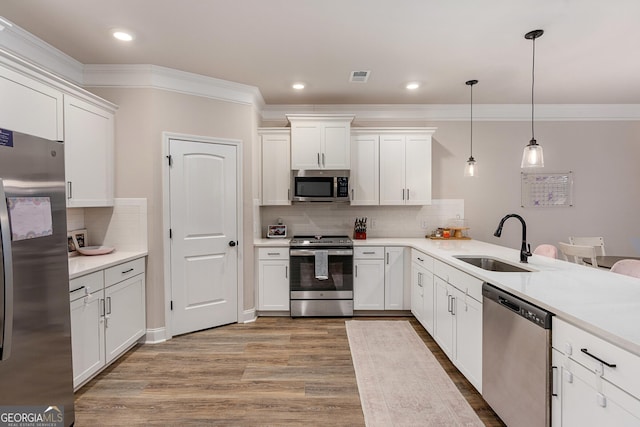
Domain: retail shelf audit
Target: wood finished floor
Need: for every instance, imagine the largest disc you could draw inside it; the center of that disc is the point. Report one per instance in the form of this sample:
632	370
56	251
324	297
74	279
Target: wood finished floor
276	371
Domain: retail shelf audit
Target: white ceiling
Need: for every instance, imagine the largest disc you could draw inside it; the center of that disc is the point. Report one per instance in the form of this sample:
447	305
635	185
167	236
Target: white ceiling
589	54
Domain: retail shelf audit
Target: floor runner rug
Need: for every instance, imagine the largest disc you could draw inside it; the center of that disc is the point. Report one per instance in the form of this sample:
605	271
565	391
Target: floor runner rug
400	382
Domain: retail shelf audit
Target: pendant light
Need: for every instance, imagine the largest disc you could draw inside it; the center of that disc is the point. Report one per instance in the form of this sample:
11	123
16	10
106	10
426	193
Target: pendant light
470	169
532	156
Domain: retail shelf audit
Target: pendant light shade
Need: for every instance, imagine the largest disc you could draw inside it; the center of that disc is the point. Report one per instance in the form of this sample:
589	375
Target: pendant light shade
532	156
471	169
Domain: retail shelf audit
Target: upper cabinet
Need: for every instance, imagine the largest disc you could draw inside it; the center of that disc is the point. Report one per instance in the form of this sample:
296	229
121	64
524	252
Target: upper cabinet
320	141
89	151
391	166
405	169
41	104
29	106
276	166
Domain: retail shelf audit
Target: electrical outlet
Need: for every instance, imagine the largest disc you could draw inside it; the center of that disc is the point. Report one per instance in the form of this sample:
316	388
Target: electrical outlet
372	223
424	224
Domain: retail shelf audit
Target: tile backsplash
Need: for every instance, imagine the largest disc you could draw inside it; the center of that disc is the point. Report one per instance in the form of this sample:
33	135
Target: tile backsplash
383	221
123	226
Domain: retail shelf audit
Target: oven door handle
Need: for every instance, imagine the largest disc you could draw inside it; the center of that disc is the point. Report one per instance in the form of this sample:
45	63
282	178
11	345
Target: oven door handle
312	252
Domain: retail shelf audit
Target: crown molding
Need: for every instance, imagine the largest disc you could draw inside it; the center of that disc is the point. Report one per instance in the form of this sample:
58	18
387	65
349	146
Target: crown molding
153	76
460	112
29	47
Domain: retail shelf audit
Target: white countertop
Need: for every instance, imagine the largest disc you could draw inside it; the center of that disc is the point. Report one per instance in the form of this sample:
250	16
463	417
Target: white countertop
81	264
603	303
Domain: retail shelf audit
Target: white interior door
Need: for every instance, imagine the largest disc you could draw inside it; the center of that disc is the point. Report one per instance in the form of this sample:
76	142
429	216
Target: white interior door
204	257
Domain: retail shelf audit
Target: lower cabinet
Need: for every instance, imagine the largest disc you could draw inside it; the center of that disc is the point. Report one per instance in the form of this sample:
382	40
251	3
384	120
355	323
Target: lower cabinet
585	390
379	279
368	278
422	291
458	320
394	283
107	317
273	279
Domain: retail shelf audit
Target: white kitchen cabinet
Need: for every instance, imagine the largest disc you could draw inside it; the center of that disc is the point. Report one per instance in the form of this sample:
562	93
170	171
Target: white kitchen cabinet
589	392
125	316
107	317
458	319
29	106
87	326
89	152
394	283
273	279
405	169
276	166
422	291
365	169
368	278
320	141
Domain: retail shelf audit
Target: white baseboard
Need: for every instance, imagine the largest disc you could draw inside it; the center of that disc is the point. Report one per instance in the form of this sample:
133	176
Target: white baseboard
156	336
248	316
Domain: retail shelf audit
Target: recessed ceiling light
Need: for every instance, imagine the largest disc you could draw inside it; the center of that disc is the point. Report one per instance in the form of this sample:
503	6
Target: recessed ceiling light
298	86
122	35
413	86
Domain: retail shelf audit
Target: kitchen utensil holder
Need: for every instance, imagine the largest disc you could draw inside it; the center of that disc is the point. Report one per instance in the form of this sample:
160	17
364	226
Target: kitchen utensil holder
360	235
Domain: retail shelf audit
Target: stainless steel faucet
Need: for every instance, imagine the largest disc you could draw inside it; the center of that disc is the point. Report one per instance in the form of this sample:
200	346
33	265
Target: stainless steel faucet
525	249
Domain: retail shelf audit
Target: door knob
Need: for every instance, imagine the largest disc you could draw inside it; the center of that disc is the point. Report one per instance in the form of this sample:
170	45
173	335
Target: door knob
232	243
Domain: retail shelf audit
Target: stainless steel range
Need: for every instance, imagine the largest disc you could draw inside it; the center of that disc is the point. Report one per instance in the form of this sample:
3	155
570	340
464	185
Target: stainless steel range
321	279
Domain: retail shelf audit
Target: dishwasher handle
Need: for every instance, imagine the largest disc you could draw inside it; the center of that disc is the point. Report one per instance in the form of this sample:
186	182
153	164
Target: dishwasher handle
510	305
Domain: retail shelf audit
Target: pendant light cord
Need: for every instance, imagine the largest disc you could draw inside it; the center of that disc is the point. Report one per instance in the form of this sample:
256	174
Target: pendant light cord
471	142
533	68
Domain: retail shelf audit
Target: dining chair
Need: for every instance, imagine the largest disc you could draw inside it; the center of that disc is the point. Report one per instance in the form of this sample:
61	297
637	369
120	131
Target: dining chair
629	267
597	242
546	250
577	253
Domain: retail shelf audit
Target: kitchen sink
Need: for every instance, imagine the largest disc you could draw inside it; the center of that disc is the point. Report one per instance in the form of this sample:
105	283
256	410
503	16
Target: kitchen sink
492	264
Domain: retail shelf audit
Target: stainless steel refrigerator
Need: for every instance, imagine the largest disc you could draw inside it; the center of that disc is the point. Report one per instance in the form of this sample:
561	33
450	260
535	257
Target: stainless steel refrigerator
36	371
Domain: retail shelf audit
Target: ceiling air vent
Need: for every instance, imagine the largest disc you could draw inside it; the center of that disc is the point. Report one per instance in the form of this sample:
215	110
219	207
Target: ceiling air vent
359	76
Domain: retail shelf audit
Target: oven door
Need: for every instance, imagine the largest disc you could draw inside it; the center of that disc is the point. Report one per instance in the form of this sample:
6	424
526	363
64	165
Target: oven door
303	283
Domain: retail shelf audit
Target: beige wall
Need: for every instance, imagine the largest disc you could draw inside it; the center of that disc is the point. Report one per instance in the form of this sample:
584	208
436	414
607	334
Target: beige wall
142	116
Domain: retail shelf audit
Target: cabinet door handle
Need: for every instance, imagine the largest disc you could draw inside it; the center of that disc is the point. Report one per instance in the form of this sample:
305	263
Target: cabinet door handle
323	162
403	194
407	194
368	253
356	271
352	194
102	310
453	305
420	259
273	253
70	190
554	381
586	351
420	279
286	271
387	258
108	305
319	159
127	271
449	303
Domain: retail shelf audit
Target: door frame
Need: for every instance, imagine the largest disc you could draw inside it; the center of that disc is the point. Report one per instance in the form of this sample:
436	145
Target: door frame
166	219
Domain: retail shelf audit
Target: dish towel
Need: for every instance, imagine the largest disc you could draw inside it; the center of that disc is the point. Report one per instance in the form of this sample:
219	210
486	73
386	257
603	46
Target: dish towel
322	264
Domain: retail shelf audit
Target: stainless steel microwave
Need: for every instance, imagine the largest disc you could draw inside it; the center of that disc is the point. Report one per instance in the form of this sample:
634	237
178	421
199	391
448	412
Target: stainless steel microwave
320	185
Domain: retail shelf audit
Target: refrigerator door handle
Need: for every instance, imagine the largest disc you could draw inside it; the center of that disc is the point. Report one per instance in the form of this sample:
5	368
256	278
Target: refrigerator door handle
6	270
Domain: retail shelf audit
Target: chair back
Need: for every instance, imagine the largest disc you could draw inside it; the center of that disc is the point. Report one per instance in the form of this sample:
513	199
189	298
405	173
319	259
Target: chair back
546	250
597	242
629	267
576	253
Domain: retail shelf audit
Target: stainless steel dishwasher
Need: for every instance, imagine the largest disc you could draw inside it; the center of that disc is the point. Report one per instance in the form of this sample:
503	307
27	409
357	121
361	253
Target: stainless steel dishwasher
516	358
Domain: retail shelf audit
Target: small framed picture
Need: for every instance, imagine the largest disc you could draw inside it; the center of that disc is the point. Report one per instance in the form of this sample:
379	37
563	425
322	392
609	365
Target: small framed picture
76	239
277	231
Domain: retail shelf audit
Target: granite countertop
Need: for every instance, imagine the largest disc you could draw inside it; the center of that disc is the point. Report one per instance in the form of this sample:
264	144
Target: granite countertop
603	303
81	264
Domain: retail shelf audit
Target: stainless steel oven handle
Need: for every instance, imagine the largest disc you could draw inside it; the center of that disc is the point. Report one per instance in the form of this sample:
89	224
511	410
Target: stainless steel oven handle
312	252
6	269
